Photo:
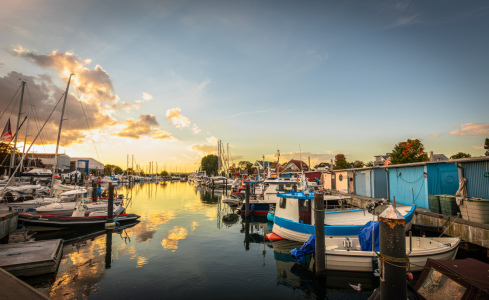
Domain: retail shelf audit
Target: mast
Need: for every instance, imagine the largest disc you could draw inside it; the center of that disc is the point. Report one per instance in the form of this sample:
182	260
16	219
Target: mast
12	161
25	139
59	134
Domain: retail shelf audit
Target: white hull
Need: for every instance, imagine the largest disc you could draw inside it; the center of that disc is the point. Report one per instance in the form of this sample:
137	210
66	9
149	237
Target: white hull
68	208
339	258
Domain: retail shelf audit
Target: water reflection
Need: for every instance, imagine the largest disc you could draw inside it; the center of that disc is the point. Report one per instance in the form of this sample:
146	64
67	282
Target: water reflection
186	245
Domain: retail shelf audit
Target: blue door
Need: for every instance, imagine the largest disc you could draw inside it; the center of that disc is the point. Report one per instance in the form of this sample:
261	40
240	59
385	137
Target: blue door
449	182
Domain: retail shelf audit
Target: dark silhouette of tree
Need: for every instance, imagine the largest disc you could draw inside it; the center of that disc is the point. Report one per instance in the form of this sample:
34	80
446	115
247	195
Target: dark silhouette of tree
409	151
460	155
209	164
486	146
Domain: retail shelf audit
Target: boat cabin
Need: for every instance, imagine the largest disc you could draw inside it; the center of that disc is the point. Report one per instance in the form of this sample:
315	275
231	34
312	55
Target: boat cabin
454	279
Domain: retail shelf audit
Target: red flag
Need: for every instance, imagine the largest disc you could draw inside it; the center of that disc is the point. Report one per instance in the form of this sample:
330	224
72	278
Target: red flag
7	133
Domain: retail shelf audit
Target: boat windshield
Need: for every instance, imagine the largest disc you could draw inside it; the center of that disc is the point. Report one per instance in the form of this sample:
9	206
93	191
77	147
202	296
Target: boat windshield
67	198
439	286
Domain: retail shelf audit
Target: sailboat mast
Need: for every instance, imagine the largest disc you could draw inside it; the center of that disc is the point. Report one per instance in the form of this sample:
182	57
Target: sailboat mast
25	139
12	161
59	134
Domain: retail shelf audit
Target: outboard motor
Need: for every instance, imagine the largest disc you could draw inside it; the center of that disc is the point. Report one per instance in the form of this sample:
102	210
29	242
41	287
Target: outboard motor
371	208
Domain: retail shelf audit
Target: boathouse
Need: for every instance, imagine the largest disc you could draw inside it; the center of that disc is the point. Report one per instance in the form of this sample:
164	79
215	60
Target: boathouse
370	182
413	182
476	171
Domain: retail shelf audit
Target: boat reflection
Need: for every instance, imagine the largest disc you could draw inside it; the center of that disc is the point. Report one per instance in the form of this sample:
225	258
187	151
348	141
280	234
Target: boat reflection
336	284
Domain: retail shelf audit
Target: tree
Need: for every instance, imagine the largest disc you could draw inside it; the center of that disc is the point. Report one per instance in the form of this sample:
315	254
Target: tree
369	164
358	164
164	173
5	156
246	165
209	164
460	155
108	169
486	146
340	162
410	151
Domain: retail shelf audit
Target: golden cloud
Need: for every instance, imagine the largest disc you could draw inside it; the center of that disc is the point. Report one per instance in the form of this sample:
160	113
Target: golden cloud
145	126
477	129
174	235
176	118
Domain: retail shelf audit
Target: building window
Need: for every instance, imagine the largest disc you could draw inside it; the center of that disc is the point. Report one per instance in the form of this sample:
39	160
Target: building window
283	202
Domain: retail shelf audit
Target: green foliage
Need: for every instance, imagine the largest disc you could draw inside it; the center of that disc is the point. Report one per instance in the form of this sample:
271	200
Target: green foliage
340	162
410	151
5	156
369	164
246	166
209	164
359	164
460	155
109	168
486	146
164	173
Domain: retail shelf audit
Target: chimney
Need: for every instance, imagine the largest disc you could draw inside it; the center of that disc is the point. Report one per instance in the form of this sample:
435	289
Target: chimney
431	156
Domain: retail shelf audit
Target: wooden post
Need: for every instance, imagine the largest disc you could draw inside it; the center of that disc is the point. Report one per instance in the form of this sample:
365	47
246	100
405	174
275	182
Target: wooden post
108	249
110	208
94	190
247	200
392	247
319	232
76	178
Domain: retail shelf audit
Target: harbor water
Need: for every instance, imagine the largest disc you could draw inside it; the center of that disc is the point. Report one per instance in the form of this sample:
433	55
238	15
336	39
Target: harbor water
187	245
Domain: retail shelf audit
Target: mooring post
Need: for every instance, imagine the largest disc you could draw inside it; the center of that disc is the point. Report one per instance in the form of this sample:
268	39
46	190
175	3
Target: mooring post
247	233
110	208
319	232
247	200
76	178
94	190
108	249
392	256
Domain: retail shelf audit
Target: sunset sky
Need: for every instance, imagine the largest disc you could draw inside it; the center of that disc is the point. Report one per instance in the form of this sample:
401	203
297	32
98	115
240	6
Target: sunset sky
164	80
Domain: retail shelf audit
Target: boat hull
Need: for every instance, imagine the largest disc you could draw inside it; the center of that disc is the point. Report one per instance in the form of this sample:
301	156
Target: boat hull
56	222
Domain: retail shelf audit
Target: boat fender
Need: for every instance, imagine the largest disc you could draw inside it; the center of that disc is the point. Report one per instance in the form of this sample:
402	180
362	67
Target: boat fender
253	207
85	207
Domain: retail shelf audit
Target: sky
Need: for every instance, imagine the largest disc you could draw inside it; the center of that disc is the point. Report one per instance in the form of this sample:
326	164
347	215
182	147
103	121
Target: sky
163	81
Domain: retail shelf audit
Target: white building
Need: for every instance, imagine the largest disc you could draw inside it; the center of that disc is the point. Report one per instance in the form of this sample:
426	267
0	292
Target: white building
48	160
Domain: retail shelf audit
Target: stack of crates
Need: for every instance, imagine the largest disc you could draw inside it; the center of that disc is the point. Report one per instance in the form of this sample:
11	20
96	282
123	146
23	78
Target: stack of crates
434	201
449	205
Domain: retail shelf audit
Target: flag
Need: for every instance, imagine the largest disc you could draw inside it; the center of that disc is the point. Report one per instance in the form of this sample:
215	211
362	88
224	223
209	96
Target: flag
7	133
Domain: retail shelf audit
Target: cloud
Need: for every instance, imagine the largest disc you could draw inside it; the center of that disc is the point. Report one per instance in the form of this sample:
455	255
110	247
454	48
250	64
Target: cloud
176	118
196	129
133	106
477	129
144	127
91	101
433	136
479	147
43	94
210	147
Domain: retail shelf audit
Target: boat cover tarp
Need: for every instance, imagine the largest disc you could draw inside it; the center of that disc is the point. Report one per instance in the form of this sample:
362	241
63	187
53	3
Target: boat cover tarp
309	247
365	236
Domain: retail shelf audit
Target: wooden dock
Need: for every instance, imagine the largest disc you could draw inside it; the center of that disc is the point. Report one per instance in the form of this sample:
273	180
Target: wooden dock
31	258
8	224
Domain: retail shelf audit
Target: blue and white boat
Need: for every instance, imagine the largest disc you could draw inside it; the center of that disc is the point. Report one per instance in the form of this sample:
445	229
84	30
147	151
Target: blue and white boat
262	202
294	218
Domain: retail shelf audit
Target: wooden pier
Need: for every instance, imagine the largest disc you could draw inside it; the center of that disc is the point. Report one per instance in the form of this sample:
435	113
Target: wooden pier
14	288
31	258
8	224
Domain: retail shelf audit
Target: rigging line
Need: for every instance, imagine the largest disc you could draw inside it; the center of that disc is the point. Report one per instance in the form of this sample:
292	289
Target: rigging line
10	101
36	119
89	129
23	156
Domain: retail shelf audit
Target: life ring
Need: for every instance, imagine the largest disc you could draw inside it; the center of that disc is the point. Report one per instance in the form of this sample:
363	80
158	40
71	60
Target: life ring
486	174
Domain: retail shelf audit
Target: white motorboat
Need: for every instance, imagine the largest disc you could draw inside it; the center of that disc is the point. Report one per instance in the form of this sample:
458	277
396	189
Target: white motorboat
345	254
68	201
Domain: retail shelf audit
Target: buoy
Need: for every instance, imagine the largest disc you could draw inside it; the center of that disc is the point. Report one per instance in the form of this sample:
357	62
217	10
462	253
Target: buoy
273	237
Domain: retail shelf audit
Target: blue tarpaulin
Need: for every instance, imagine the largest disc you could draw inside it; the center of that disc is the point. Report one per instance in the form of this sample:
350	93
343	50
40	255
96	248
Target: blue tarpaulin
309	247
365	236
